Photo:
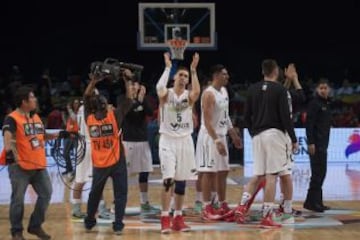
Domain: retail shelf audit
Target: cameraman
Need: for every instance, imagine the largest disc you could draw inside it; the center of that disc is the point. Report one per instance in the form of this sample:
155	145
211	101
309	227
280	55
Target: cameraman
107	152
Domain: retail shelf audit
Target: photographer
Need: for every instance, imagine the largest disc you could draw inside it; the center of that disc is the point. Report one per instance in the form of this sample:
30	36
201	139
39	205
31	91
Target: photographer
107	152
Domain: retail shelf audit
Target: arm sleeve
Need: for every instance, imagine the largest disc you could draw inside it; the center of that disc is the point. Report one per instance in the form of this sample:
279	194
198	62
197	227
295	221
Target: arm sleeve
123	108
9	125
162	83
310	121
285	115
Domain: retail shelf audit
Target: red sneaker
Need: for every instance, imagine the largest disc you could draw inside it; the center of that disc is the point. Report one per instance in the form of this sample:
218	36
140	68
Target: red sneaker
268	222
210	213
165	224
178	224
224	209
240	214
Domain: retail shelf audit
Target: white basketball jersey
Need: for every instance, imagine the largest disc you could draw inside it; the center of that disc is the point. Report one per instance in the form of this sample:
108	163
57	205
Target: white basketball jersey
220	116
176	115
83	129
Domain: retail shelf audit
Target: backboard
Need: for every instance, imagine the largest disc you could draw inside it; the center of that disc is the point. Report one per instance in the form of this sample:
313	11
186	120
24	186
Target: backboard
160	22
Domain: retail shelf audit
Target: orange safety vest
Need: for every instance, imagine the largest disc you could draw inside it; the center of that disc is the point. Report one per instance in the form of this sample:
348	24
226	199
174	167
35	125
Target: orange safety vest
72	125
105	142
30	141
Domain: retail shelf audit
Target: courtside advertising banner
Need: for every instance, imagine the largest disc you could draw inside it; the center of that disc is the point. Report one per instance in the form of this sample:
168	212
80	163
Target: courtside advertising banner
344	146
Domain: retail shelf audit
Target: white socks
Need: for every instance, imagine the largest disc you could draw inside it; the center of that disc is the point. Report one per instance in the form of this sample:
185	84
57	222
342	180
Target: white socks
76	201
144	197
198	197
164	213
214	197
245	198
287	206
268	207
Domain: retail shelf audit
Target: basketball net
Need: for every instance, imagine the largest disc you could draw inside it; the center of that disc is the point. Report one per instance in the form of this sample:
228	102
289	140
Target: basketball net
177	48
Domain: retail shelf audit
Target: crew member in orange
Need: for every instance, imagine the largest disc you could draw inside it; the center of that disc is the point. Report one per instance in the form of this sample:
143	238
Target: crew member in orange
24	141
106	151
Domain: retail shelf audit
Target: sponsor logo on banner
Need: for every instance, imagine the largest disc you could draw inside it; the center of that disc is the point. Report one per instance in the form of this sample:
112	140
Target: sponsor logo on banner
354	144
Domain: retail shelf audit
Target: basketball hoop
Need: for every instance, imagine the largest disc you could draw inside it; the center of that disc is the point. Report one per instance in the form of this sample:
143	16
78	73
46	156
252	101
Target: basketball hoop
177	48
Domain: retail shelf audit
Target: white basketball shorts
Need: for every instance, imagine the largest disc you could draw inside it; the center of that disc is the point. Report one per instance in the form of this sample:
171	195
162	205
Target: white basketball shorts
177	158
85	167
271	152
208	159
138	157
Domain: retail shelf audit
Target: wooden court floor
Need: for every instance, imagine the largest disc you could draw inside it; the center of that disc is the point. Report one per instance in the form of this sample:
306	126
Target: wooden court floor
341	223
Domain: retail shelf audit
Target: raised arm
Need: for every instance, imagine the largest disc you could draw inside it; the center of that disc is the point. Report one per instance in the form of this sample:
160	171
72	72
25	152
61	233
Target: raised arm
291	74
71	112
125	104
292	78
91	86
142	99
161	88
195	85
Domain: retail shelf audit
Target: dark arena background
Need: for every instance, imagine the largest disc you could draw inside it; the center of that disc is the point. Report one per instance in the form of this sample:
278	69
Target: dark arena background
50	46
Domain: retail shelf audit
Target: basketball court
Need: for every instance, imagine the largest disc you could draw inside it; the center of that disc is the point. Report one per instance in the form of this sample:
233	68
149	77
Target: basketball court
343	221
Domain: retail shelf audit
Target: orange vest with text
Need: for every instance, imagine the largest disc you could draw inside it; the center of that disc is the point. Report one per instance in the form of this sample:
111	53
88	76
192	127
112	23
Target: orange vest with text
105	142
30	141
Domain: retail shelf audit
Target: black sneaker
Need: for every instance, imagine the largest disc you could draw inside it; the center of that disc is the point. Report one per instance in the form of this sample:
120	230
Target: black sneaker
314	208
325	208
18	236
40	233
89	223
118	228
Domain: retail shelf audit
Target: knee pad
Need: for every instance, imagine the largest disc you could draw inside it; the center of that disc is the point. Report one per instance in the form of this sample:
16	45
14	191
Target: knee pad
180	187
168	183
143	177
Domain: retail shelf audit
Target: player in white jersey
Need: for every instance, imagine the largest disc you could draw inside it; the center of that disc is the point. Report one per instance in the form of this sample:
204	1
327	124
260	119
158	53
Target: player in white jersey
176	147
211	149
84	168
